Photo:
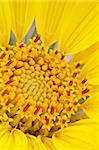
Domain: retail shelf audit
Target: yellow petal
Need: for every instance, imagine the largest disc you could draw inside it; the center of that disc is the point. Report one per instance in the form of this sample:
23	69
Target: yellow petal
91	69
48	19
22	17
82	27
82	135
19	140
85	54
12	139
91	106
94	89
73	23
48	143
4	139
5	22
35	143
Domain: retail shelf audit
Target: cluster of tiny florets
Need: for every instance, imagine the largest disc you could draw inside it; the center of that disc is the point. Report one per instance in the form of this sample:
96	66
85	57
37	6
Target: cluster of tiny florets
39	90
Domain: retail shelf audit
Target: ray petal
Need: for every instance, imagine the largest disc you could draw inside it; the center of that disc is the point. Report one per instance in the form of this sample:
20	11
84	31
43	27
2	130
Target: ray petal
48	19
5	23
85	54
16	143
90	70
79	136
48	143
10	139
35	143
4	139
91	106
22	17
74	24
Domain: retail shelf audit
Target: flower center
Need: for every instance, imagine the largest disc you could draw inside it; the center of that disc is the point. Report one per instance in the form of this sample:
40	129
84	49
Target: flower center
39	90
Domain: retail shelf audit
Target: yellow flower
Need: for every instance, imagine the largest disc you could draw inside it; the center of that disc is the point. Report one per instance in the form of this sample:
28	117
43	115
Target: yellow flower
49	80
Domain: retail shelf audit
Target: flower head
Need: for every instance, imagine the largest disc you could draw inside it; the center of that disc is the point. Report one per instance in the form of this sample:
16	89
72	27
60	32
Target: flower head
49	88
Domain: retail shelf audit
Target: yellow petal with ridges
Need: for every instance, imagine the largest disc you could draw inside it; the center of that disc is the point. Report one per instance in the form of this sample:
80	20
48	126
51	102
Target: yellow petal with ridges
85	54
48	19
48	143
79	136
94	89
4	139
21	16
12	139
19	140
5	22
35	143
74	24
82	26
91	106
90	70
